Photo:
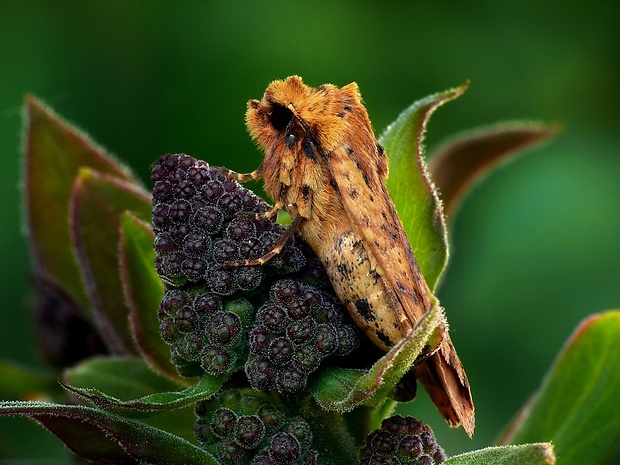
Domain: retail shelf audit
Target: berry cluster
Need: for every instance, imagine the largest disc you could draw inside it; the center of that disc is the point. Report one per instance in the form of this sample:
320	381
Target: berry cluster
205	332
402	440
240	428
202	222
294	331
203	219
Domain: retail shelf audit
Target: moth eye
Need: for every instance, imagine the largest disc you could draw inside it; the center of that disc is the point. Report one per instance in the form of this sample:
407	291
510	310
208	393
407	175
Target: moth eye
280	116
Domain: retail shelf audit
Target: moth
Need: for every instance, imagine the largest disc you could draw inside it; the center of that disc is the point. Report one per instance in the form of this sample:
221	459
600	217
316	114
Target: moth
324	166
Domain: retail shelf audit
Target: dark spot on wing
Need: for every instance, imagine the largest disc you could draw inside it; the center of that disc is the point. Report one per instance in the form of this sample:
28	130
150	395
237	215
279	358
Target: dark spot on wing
364	310
353	193
308	148
384	338
364	176
343	270
305	192
380	149
290	140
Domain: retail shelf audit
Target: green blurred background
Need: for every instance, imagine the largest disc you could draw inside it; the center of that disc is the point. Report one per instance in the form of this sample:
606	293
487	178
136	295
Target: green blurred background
535	247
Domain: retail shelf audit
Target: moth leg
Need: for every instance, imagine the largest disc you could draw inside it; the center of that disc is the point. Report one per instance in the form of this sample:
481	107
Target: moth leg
275	250
244	177
268	215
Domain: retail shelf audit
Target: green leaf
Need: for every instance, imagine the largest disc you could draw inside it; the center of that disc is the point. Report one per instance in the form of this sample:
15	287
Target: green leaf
19	382
464	159
143	292
527	454
576	408
54	152
128	386
342	389
98	201
106	438
413	193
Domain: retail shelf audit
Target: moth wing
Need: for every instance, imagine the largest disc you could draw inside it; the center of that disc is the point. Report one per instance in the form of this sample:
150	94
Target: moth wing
371	210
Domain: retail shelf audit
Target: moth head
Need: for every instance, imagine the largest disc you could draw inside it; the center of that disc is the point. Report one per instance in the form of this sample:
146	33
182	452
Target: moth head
290	112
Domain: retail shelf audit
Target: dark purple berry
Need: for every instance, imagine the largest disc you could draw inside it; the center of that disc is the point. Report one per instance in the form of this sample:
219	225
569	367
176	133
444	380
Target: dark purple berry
326	341
299	428
194	269
273	316
285	290
185	320
216	361
231	452
260	374
161	216
249	431
259	339
308	358
290	380
173	300
240	229
225	250
250	248
297	309
164	243
197	244
208	219
206	304
180	210
230	203
249	278
184	190
223	328
284	448
167	331
280	351
271	416
212	191
162	192
301	331
221	280
223	422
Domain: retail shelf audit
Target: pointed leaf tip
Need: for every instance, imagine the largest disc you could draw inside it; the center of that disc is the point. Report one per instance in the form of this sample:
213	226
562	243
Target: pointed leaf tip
464	159
414	195
54	152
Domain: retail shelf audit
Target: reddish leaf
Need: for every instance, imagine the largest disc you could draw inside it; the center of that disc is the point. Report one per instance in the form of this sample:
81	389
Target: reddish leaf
54	152
105	438
98	202
465	159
